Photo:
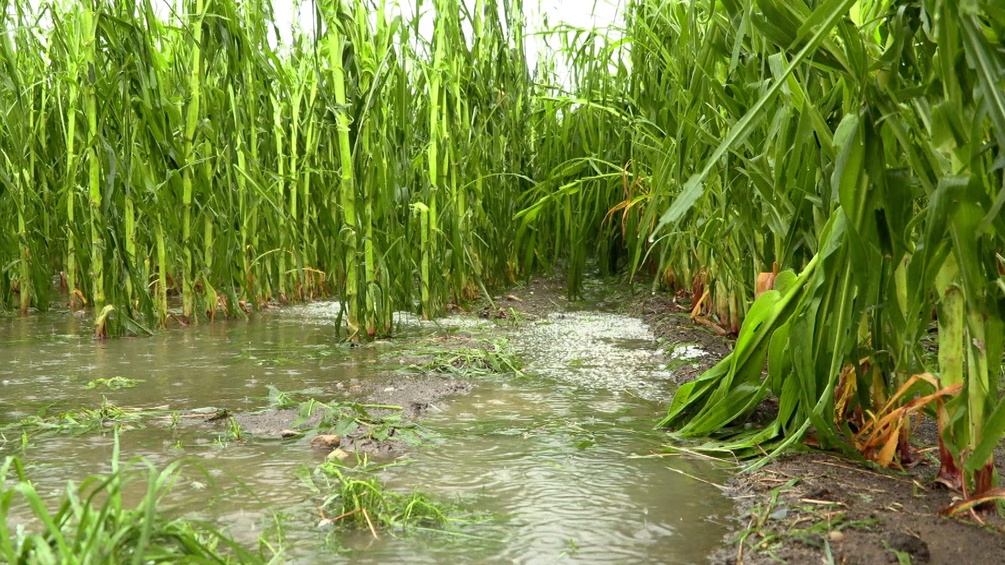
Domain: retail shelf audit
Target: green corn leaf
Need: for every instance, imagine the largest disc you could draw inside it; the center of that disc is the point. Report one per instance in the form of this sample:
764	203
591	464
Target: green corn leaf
692	189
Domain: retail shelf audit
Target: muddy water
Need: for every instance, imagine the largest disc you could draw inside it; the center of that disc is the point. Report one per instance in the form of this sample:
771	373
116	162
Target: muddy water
553	465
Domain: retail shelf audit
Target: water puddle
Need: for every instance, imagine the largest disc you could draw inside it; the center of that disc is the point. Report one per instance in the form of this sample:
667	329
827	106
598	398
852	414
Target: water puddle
554	466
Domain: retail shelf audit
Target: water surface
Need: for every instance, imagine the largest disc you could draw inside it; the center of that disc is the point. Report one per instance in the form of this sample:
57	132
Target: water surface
555	465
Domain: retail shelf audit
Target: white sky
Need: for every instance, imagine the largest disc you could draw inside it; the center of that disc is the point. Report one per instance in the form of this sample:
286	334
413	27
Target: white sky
578	13
586	14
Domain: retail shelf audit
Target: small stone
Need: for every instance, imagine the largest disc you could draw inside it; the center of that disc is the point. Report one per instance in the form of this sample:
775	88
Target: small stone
326	440
836	536
288	433
339	454
389	389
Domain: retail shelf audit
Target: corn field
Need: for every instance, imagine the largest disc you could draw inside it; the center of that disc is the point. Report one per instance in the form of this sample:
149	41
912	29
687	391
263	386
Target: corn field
145	160
827	173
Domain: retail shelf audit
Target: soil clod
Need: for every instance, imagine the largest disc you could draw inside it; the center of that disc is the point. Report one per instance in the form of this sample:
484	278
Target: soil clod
326	441
910	544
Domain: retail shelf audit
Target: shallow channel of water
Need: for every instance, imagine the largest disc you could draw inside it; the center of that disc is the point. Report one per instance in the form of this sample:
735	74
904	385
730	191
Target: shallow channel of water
554	462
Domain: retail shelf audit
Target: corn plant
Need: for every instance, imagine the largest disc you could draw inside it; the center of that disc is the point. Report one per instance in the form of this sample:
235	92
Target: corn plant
908	196
180	168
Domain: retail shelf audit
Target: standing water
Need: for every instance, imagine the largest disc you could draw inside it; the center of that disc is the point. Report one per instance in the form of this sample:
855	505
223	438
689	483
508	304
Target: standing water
555	465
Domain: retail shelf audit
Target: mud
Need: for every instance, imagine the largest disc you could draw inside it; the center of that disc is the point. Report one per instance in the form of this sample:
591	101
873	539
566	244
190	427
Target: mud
409	394
802	508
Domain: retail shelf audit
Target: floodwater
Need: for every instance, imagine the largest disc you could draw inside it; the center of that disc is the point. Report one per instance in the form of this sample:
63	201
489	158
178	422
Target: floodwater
556	466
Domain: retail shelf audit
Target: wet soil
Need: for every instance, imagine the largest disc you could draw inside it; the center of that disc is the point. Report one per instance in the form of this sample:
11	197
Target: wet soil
804	507
398	389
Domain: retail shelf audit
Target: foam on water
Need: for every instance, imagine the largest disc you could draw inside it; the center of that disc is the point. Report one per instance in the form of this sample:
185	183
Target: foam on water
597	351
687	352
327	313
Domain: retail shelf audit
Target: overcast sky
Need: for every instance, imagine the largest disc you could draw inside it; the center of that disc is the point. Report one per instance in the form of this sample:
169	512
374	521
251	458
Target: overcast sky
587	14
576	13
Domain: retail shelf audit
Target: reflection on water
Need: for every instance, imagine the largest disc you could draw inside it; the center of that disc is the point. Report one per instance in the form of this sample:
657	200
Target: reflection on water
561	467
552	465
